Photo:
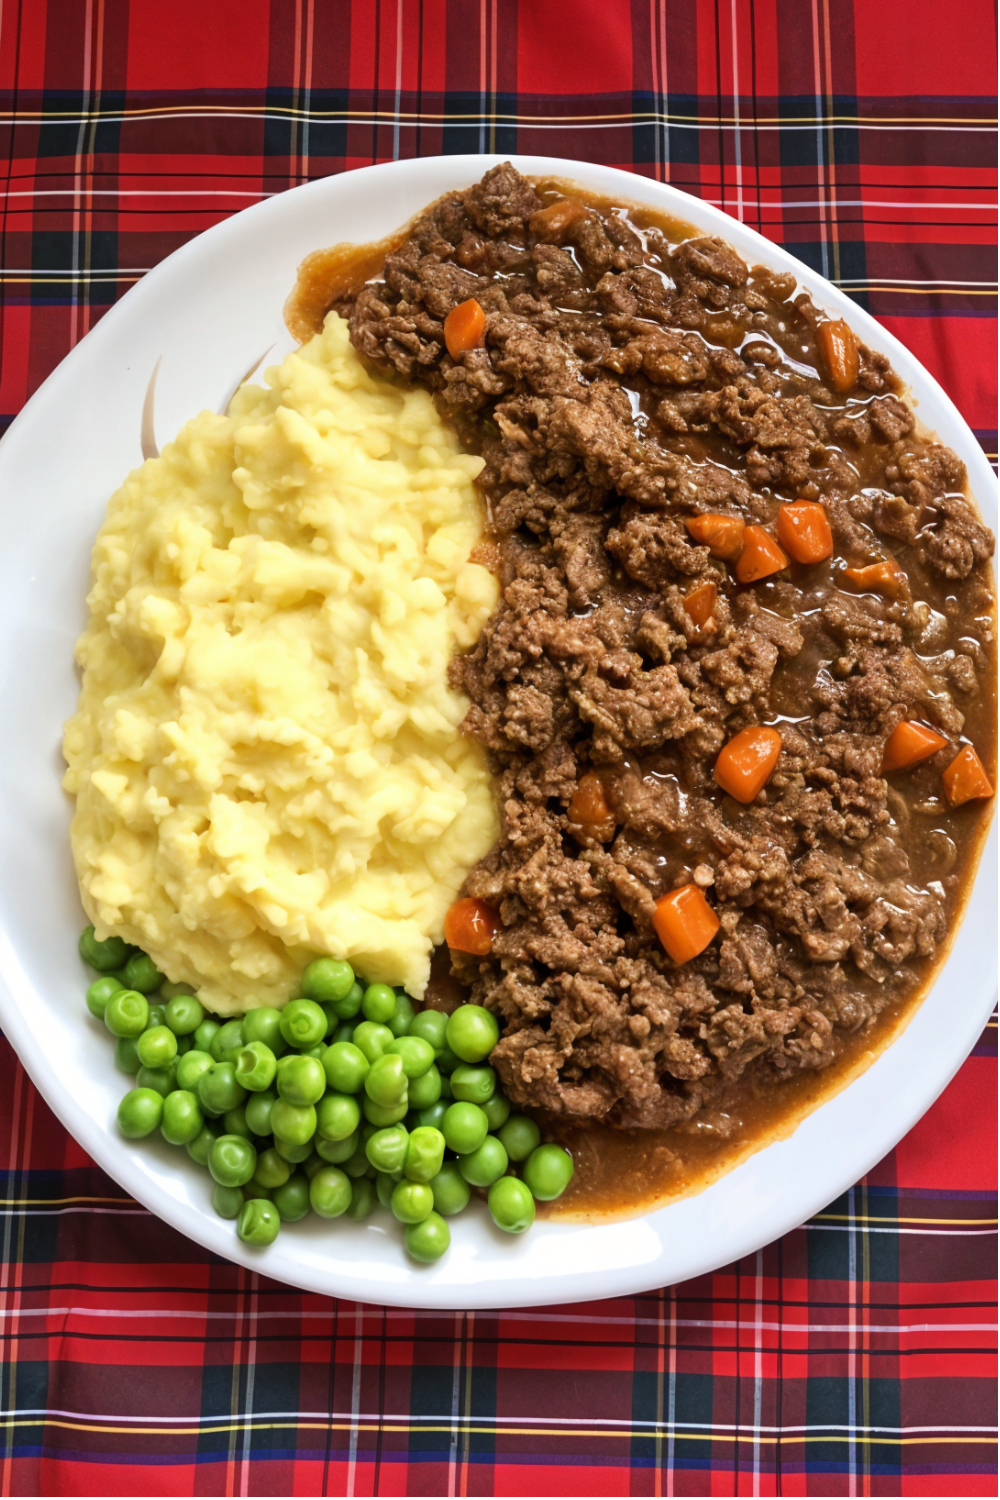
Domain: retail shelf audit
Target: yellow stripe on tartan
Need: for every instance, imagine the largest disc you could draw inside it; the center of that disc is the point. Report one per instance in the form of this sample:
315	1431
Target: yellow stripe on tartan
744	122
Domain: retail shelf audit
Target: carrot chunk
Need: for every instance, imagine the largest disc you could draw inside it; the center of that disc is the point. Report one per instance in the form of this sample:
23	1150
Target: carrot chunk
685	923
745	764
839	352
908	744
761	556
885	577
965	780
552	222
588	803
700	604
465	328
804	531
470	926
722	535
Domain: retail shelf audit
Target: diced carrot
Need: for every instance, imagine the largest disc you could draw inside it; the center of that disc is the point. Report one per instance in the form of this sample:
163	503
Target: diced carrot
966	780
839	351
470	926
761	556
700	604
908	744
552	222
885	577
722	535
745	764
465	328
588	804
685	923
804	531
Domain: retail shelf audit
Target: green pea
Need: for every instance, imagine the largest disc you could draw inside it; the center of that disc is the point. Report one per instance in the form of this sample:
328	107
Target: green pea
385	1186
548	1172
184	1044
157	1047
337	1152
272	1170
472	1033
294	1123
358	1164
426	1089
312	1165
424	1154
190	1067
100	992
300	1080
200	1147
487	1165
234	1122
346	1067
255	1066
292	1198
363	1199
464	1127
431	1114
157	1015
372	1039
398	1023
258	1111
110	953
496	1110
329	979
337	1117
232	1161
386	1149
163	1080
170	988
450	1189
303	1023
378	1003
430	1026
142	974
127	1013
227	1201
126	1057
264	1025
183	1120
447	1062
511	1205
184	1014
383	1114
293	1151
411	1202
258	1223
520	1135
417	1055
227	1042
350	1006
330	1193
386	1081
218	1089
204	1033
343	1033
139	1113
428	1240
474	1085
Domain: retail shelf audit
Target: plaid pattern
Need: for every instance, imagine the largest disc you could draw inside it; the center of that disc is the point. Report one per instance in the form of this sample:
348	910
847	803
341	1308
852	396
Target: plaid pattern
856	1355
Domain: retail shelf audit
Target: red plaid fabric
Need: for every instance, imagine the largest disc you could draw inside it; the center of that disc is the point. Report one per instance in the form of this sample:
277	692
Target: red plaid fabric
856	1356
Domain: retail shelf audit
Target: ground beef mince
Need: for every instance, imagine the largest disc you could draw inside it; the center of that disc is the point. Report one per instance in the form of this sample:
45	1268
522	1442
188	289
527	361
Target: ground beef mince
630	381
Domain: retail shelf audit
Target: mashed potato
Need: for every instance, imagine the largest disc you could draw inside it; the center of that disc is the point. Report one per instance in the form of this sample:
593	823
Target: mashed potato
266	755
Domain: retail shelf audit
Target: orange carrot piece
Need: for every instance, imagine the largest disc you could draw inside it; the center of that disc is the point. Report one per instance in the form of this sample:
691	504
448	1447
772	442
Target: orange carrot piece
470	926
885	577
700	604
908	744
588	803
746	763
722	535
965	780
839	351
685	923
552	222
761	556
465	328
804	531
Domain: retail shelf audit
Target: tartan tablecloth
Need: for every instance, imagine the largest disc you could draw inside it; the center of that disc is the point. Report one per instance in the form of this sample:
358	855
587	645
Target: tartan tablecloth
856	1355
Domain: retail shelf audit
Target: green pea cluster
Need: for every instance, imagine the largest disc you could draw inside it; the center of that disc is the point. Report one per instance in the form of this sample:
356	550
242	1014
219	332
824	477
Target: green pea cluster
343	1100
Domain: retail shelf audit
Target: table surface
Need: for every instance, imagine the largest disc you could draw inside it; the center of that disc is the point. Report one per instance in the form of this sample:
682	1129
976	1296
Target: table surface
853	1357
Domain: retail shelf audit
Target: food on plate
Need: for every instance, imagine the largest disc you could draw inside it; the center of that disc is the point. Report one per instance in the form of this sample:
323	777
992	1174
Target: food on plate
266	755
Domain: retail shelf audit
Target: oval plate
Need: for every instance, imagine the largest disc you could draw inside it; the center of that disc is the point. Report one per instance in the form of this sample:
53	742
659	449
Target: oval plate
209	311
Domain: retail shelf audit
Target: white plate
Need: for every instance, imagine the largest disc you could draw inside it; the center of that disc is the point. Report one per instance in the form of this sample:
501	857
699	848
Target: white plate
210	310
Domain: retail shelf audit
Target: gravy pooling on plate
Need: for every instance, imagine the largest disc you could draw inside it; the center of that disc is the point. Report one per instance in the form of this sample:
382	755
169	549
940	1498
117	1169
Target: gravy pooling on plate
740	678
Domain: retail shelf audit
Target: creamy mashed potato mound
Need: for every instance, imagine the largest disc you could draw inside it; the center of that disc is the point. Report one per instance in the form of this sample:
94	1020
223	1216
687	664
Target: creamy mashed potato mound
266	756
